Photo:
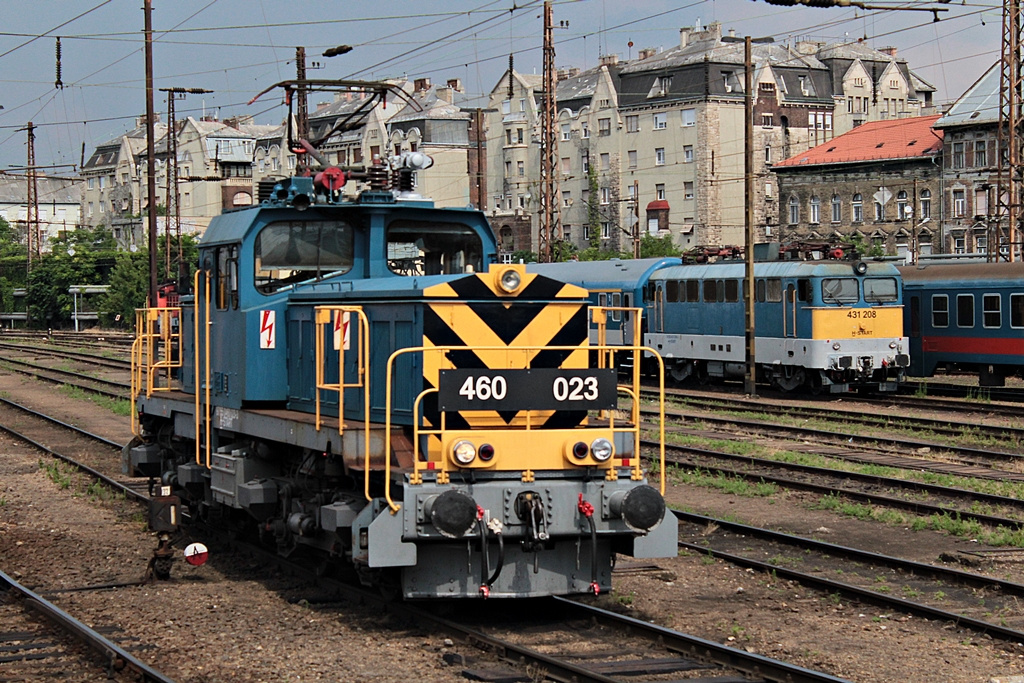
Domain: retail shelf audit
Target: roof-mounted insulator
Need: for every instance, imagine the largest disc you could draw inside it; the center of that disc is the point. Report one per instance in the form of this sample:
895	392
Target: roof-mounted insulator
404	167
377	175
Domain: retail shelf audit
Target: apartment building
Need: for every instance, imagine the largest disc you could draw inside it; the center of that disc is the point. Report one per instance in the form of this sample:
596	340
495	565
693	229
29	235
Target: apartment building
59	204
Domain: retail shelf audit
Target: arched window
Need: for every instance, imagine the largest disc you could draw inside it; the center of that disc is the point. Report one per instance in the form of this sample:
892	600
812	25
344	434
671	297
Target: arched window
837	209
879	212
903	210
926	204
794	210
815	210
858	208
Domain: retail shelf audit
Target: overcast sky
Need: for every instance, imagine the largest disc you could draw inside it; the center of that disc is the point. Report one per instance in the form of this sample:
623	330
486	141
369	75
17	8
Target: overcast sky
238	47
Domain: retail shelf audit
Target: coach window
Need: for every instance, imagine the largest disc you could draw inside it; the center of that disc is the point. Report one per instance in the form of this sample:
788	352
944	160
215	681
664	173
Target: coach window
880	290
774	291
287	252
616	303
710	291
1017	310
672	290
759	291
419	248
839	290
732	291
602	299
965	310
720	290
940	310
991	309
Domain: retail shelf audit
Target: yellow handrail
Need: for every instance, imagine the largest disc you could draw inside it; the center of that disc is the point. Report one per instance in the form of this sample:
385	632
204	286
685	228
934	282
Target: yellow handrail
202	380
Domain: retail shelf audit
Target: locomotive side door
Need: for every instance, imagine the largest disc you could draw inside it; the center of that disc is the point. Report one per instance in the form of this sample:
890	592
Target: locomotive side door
658	308
789	311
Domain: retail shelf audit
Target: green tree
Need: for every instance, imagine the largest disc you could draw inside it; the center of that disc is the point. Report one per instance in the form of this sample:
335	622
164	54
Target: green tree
10	244
129	287
651	246
593	210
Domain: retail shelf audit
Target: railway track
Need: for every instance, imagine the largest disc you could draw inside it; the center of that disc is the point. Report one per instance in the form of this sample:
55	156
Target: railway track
58	646
100	387
987	605
1009	394
92	359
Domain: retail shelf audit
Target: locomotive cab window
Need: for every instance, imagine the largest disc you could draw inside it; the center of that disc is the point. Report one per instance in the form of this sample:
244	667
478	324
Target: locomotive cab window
287	252
965	310
992	315
692	291
732	290
1017	310
880	290
672	290
227	277
839	290
418	248
940	310
759	291
773	291
803	290
710	291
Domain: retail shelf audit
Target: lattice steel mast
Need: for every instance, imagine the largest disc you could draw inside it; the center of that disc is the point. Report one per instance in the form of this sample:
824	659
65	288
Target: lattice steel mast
550	226
1010	190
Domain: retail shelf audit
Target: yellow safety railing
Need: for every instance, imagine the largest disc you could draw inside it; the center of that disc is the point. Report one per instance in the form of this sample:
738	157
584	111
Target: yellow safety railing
156	352
339	317
607	359
440	467
202	380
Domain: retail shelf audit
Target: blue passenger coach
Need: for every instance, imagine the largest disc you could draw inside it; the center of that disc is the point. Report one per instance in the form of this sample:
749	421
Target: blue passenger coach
966	317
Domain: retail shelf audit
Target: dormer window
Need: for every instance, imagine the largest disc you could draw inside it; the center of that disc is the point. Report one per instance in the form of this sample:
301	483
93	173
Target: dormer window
661	87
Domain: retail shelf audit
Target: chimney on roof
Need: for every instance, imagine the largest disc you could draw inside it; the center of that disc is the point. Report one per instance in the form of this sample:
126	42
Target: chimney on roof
646	52
446	93
808	47
732	33
455	84
574	71
320	106
609	60
890	50
684	38
714	30
421	84
140	120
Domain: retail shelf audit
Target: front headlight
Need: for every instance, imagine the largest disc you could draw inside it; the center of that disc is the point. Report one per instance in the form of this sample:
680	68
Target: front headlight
464	452
510	280
601	449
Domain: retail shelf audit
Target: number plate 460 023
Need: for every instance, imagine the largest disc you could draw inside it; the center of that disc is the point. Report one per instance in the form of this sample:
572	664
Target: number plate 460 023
538	389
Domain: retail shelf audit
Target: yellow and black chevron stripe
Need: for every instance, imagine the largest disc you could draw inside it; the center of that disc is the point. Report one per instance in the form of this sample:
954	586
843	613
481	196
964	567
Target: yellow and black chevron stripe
475	312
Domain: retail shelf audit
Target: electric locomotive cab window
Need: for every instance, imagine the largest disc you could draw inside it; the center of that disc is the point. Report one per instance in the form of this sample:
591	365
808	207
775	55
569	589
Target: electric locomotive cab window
965	310
418	248
992	315
803	289
880	290
287	252
672	290
839	290
759	291
227	277
692	291
710	291
940	310
773	291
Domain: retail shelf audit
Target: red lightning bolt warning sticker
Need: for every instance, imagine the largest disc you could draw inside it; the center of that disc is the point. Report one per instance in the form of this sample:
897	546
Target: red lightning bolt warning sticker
268	333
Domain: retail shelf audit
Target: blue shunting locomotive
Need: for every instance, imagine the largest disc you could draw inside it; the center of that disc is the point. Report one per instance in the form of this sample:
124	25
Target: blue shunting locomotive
360	378
822	326
965	317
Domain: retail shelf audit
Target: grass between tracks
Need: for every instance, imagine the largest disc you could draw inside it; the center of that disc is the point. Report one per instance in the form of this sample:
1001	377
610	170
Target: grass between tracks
118	406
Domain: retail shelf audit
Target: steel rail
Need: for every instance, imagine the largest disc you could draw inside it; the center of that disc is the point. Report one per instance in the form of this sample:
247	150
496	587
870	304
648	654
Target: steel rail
113	653
1008	394
804	432
860	496
856	416
113	363
830	585
52	420
76	375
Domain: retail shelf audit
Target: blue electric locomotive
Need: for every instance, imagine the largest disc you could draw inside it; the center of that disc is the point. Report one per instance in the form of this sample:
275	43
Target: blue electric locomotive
360	378
831	326
965	317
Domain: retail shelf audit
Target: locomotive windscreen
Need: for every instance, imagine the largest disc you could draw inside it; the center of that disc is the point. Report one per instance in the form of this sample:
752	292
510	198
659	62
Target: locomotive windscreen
417	248
291	251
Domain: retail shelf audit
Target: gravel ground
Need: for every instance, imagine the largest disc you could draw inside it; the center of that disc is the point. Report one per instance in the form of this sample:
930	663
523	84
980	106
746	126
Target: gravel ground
232	620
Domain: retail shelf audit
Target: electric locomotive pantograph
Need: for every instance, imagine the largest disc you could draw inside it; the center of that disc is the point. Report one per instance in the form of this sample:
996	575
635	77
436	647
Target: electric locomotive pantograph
357	376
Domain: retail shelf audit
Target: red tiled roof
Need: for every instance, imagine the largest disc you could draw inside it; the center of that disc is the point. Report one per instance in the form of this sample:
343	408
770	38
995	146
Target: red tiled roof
889	139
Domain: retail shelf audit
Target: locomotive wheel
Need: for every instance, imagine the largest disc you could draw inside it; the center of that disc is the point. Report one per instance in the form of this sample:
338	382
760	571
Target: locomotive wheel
814	384
700	372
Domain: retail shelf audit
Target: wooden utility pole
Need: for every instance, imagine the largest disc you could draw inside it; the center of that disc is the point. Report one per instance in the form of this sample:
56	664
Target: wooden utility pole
150	152
1010	193
636	219
749	381
550	226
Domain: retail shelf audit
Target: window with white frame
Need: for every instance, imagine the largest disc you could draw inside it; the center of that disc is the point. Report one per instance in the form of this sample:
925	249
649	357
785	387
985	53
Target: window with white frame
981	153
958	155
566	131
660	121
606	161
858	208
632	123
767	120
959	244
659	156
659	191
815	209
521	201
687	190
959	203
606	195
506	107
586	232
566	198
837	209
521	168
508	169
768	153
631	158
926	204
689	117
794	210
604	127
522	104
586	163
584	130
902	205
687	154
879	212
606	230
